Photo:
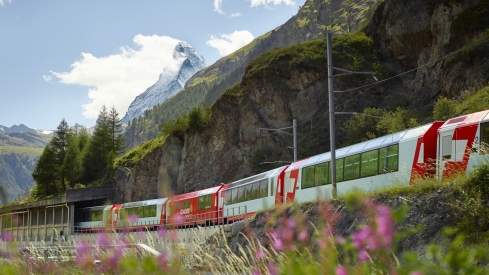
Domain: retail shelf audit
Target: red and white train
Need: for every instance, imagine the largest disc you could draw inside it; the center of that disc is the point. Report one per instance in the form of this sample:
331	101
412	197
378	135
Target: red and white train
439	149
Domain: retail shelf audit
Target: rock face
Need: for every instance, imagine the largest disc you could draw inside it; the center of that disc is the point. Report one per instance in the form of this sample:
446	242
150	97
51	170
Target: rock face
20	147
291	83
167	85
207	86
16	173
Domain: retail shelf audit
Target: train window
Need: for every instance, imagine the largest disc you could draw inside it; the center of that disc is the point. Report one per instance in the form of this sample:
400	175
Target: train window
252	191
205	202
322	174
235	195
149	211
272	186
446	147
484	133
339	169
241	194
389	159
352	167
227	197
95	215
308	177
370	163
263	188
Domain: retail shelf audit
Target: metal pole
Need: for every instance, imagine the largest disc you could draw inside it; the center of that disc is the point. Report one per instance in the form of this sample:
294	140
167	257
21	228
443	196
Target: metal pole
294	126
329	53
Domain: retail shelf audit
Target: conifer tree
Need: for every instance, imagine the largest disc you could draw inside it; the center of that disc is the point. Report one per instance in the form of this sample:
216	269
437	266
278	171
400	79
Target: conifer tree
44	174
72	165
59	144
115	131
97	156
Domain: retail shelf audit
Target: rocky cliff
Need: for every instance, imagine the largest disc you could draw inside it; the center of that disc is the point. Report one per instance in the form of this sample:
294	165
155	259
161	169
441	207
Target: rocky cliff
20	147
206	86
291	83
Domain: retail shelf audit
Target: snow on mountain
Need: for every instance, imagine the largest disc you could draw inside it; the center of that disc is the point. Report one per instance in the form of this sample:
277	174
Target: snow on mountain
169	83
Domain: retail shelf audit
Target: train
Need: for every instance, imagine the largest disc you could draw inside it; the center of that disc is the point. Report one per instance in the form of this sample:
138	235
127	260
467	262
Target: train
439	149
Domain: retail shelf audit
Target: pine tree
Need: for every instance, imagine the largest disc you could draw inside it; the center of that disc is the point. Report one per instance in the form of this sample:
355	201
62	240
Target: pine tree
97	156
44	173
115	131
59	144
72	165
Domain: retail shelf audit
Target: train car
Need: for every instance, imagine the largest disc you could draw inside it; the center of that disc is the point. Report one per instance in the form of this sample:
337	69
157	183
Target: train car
245	197
463	144
392	159
194	208
141	214
93	219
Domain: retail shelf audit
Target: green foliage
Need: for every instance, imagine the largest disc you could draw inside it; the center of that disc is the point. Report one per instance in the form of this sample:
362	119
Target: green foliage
139	152
444	108
34	151
473	102
375	122
395	121
194	121
72	164
73	158
363	126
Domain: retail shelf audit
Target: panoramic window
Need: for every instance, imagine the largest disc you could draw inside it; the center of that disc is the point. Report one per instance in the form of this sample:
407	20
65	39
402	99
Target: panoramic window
205	202
388	159
322	174
446	147
370	162
484	140
339	169
352	167
308	177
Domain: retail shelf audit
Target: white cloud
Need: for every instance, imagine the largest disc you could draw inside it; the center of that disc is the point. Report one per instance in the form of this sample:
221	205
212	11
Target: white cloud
47	77
115	80
236	14
5	2
217	6
228	43
256	3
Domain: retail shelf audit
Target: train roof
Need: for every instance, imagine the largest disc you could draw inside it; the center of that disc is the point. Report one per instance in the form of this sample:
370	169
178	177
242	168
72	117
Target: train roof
255	178
144	203
365	146
474	118
196	194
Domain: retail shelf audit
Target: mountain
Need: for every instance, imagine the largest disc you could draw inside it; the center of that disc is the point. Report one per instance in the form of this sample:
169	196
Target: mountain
168	84
291	83
207	86
20	148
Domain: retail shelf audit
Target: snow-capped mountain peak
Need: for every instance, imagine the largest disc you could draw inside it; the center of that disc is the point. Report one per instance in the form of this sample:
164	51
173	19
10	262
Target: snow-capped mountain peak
169	82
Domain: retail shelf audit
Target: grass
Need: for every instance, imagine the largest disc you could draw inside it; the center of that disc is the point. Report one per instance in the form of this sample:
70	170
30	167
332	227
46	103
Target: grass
35	151
133	156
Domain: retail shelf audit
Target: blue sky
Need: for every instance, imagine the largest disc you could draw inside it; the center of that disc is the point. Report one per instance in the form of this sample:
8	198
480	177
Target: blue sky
40	40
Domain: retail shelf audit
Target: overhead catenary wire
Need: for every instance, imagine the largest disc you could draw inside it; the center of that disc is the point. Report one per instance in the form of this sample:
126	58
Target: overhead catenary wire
376	83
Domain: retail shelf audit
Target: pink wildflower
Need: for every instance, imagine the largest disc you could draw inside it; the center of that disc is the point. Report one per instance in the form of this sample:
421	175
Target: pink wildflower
178	219
303	235
272	269
415	273
83	256
363	256
7	237
103	240
163	261
161	232
277	242
341	270
132	219
385	225
260	254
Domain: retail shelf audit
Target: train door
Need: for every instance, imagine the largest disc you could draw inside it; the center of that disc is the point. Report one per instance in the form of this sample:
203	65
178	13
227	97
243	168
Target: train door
445	152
